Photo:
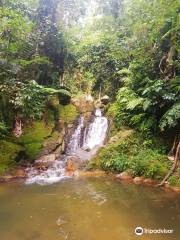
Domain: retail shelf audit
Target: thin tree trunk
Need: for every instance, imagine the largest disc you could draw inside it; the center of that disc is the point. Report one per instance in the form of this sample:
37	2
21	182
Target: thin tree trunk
175	165
61	79
100	92
17	131
171	154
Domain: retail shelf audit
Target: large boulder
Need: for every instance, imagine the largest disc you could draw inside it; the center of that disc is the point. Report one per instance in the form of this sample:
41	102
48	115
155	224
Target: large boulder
124	176
84	104
73	163
52	144
20	173
45	161
138	180
150	181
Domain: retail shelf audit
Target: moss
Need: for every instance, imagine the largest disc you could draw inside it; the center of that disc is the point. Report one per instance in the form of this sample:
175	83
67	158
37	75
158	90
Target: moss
68	113
8	153
33	149
33	138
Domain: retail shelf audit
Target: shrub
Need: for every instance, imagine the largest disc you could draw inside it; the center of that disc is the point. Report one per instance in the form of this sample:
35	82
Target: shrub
139	156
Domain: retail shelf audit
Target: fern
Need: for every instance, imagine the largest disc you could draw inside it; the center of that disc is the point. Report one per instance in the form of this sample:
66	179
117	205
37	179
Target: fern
171	117
129	98
52	91
131	105
3	129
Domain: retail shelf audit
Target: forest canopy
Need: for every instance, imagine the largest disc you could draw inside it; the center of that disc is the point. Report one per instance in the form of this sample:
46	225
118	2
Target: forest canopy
126	49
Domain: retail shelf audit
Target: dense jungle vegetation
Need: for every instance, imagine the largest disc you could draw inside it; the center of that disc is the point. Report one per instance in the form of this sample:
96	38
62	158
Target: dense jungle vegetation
126	49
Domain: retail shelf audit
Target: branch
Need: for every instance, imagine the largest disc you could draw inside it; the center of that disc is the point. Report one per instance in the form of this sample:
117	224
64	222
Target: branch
161	62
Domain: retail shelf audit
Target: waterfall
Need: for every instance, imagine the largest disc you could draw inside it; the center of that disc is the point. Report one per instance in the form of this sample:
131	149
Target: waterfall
96	132
75	141
83	144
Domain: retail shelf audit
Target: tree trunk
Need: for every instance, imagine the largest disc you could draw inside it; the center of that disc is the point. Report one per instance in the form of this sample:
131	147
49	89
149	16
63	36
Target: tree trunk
100	92
17	131
172	153
175	165
61	79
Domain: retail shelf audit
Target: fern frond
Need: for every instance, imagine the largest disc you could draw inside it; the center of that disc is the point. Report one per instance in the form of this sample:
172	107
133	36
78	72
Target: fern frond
171	118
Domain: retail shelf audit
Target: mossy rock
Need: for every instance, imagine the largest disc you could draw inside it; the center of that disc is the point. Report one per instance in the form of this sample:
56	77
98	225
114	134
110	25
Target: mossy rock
68	113
33	138
35	132
8	153
32	150
52	143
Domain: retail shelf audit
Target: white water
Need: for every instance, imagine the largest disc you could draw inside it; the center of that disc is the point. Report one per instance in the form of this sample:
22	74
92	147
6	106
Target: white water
96	132
84	143
75	141
53	174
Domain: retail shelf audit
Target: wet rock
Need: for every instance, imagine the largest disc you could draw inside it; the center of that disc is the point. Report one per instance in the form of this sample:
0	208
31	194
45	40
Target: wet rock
176	189
73	164
124	176
58	151
20	173
51	144
98	104
87	116
138	180
149	181
86	149
105	99
2	180
83	105
45	161
63	147
70	126
7	178
69	173
60	125
166	185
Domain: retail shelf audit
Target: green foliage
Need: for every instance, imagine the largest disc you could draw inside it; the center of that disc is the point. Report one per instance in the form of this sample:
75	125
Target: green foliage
136	55
126	49
8	152
3	130
171	117
174	180
142	157
29	55
150	99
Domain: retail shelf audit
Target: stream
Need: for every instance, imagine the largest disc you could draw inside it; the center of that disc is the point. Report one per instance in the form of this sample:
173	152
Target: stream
86	209
52	206
83	144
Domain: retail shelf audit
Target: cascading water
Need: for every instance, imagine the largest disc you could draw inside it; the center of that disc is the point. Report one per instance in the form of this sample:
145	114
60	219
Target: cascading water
96	132
83	144
75	141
